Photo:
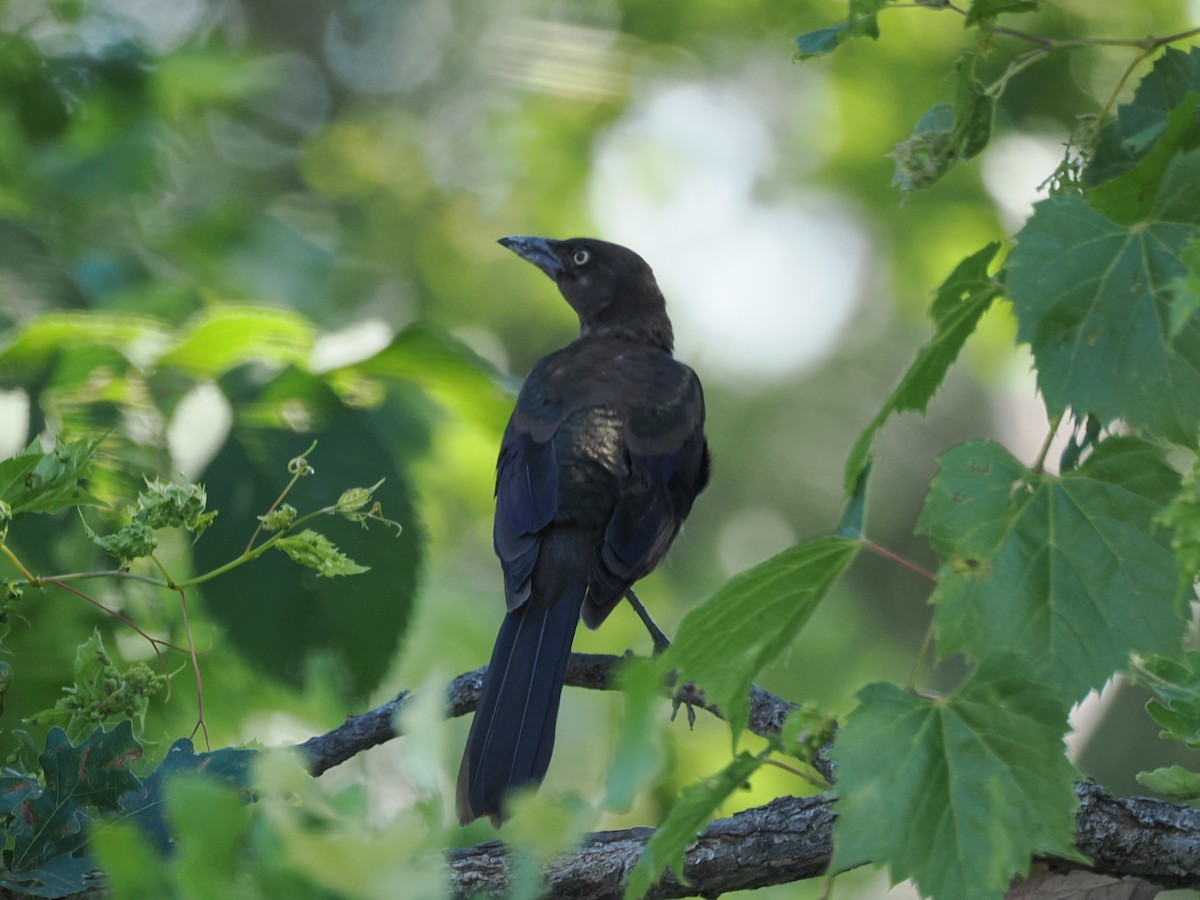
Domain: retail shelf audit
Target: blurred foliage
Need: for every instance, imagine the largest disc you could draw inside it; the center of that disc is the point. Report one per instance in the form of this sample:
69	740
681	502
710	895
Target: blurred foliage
230	229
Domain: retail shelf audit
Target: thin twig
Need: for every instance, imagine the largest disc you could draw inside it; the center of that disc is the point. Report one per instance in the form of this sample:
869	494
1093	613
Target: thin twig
201	725
154	642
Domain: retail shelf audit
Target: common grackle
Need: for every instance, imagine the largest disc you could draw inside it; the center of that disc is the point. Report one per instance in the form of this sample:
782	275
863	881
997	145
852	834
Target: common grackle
598	468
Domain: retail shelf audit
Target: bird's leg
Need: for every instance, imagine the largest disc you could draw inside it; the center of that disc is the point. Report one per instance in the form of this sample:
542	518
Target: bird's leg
661	641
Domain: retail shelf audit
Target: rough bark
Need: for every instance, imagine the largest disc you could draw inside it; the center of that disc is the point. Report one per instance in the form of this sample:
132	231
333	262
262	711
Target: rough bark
786	840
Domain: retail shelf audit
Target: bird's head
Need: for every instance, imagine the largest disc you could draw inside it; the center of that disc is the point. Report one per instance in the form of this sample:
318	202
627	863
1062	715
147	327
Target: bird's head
610	287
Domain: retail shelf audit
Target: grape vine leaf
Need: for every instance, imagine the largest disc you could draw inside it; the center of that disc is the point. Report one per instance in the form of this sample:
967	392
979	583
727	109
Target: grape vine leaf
1130	197
723	643
1068	570
311	548
34	481
1140	123
956	793
957	308
1093	300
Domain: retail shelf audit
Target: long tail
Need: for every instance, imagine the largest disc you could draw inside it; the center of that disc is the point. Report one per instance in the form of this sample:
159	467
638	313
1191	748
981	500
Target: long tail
512	736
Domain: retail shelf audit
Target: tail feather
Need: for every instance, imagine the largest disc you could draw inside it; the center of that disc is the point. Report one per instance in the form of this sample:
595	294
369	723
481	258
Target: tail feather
512	736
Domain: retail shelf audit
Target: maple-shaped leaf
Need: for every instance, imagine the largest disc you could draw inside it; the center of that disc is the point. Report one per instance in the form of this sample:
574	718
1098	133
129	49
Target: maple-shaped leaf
1139	125
1069	570
956	793
1095	300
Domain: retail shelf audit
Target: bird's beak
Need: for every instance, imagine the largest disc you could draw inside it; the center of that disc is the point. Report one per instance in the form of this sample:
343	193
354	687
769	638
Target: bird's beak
542	252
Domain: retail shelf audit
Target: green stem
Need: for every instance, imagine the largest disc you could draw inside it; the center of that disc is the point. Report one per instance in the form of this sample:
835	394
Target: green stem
818	782
254	552
201	724
922	658
16	562
301	468
1112	98
1039	464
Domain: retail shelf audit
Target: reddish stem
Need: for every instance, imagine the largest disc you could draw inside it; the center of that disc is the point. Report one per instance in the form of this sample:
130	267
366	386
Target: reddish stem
898	560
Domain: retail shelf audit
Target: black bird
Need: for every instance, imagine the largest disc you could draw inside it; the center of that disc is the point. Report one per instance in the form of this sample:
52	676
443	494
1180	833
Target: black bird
599	466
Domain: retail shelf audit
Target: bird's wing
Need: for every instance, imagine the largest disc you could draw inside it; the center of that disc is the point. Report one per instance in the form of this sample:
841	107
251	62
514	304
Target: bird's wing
526	502
668	463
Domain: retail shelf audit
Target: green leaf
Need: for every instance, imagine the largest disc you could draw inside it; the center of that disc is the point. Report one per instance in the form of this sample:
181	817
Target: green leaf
1176	702
132	541
442	366
947	133
1069	571
983	10
1175	782
1142	121
1092	300
863	20
1132	196
295	613
131	868
1185	302
1182	516
146	807
688	816
279	518
974	108
957	308
37	482
96	770
102	693
211	823
222	338
318	552
956	793
639	755
812	44
928	153
41	338
49	855
855	509
722	643
167	505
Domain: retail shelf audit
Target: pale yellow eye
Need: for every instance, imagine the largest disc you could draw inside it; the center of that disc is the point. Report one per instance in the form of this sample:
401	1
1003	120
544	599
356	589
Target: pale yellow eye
580	257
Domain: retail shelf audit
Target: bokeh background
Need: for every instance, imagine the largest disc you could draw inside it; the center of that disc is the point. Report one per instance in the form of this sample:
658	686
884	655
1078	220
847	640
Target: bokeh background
351	164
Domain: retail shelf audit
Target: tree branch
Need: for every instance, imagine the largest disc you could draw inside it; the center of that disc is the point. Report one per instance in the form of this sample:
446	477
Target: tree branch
786	840
586	670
